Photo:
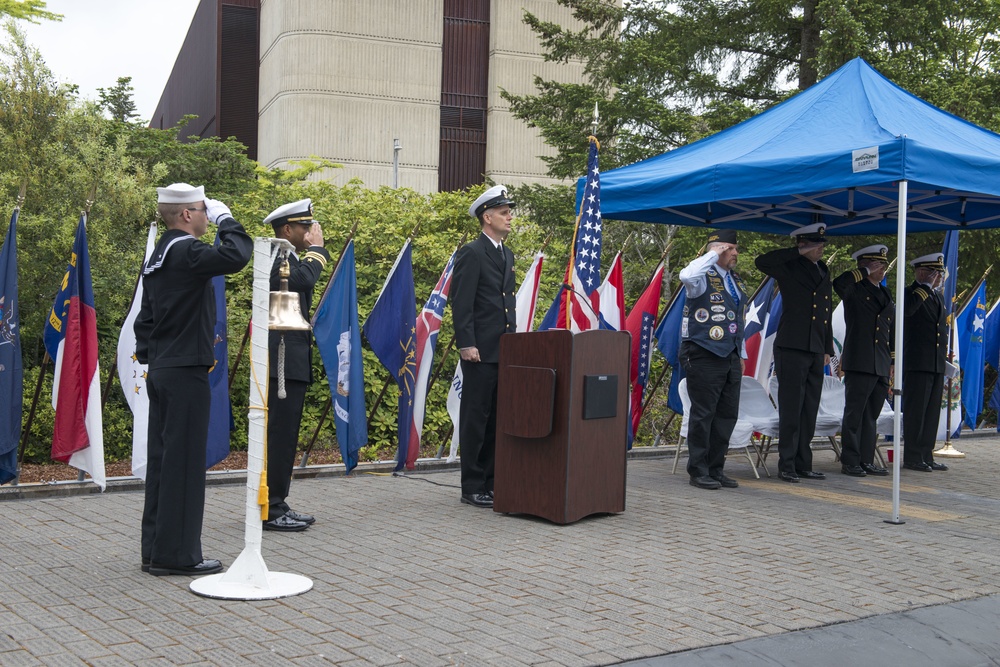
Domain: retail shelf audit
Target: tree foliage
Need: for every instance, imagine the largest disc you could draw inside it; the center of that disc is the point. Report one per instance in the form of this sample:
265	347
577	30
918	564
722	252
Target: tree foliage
29	10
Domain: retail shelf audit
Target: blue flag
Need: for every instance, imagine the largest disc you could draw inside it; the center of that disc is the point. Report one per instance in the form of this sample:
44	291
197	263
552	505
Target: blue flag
668	341
338	338
551	319
950	251
220	417
991	350
391	330
11	371
970	325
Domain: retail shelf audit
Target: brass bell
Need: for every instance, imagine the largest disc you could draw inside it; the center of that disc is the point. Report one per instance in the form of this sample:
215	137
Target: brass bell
285	313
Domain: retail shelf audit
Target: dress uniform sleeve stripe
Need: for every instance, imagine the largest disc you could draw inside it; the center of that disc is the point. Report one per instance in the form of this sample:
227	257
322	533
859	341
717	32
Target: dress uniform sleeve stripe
317	257
858	275
922	293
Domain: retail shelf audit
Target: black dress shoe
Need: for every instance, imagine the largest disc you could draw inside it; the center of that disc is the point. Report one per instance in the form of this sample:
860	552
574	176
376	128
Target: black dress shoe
810	474
285	524
727	482
478	499
145	565
922	467
937	466
207	566
789	477
307	519
873	469
706	482
853	471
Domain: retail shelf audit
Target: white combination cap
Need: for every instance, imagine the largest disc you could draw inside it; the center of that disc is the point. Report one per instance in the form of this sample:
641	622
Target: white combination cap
300	211
495	196
877	251
815	232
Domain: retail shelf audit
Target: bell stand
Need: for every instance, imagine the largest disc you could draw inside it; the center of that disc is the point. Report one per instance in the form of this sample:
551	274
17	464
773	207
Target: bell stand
248	577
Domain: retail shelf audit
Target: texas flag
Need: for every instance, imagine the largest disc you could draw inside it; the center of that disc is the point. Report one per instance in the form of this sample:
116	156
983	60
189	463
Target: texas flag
759	329
70	338
428	325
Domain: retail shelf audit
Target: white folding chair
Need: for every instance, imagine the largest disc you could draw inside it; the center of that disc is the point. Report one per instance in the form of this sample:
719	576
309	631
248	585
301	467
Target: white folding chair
756	407
883	427
830	415
741	439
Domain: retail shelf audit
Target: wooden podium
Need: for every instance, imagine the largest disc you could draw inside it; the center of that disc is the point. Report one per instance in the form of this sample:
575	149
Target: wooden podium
562	415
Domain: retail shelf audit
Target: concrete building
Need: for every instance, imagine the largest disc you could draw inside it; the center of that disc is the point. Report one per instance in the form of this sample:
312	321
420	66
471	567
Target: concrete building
364	83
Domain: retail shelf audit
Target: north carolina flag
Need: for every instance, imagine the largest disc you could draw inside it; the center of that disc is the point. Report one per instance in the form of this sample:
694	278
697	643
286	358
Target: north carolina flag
11	370
527	295
391	330
970	325
640	323
70	338
132	374
338	339
428	325
612	297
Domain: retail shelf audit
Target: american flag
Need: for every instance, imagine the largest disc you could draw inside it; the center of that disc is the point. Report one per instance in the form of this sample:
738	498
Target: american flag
584	272
428	325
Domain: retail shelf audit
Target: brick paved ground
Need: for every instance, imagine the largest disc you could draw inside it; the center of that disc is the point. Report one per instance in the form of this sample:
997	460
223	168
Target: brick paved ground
404	574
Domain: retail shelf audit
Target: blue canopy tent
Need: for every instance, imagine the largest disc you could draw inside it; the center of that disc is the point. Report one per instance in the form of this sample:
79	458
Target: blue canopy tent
854	151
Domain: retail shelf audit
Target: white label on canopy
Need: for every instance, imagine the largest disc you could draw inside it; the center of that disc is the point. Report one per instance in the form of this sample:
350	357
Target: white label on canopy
865	159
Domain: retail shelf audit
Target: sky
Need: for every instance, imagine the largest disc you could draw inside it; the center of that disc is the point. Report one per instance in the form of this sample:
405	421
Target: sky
100	40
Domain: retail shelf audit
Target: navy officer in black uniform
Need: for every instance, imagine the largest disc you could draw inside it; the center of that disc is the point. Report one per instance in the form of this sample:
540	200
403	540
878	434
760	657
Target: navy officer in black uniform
482	306
712	354
293	222
803	345
174	334
925	347
866	359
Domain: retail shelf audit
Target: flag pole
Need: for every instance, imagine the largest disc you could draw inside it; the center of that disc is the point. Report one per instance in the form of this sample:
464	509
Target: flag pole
948	451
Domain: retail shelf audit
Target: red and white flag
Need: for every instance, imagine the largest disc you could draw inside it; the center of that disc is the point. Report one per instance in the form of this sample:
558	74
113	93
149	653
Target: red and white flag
70	337
612	297
527	295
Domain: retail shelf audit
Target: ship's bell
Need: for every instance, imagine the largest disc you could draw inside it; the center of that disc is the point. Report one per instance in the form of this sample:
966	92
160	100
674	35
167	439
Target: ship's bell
285	313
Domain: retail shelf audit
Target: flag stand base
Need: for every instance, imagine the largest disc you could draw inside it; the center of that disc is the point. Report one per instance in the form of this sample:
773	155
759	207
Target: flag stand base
949	452
249	579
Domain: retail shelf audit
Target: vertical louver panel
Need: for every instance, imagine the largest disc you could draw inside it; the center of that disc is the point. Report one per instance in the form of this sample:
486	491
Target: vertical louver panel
239	75
464	77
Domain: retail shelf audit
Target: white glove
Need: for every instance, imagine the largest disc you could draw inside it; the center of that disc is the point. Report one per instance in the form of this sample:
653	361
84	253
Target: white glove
216	210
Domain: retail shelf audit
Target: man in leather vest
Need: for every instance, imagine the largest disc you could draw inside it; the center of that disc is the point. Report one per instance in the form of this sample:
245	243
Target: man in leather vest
712	354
